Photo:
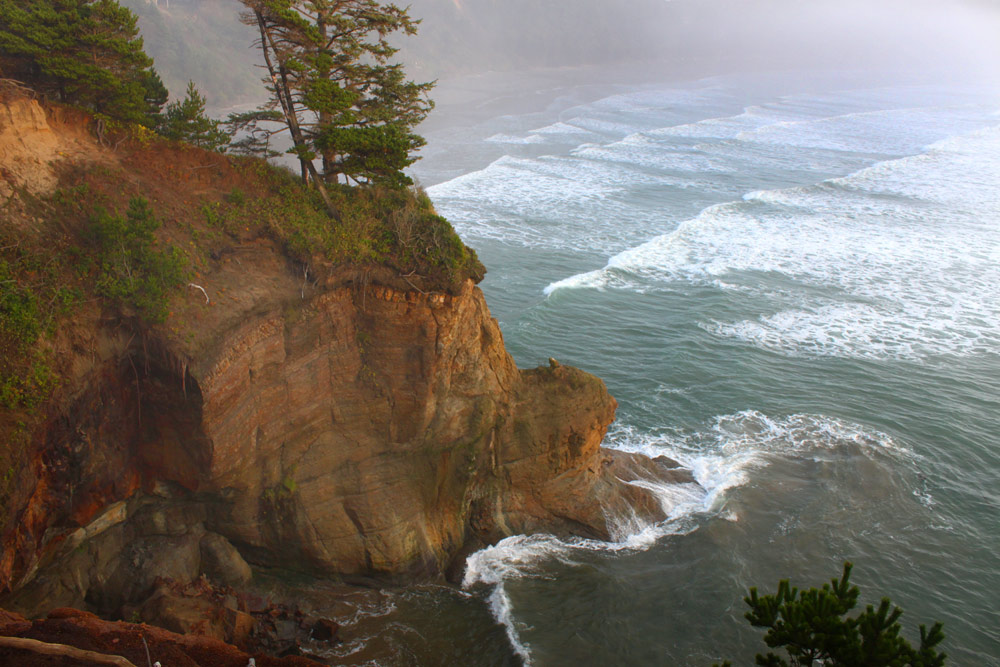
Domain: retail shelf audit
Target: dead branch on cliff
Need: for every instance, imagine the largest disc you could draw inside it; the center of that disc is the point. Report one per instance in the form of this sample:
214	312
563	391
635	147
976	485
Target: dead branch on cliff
63	650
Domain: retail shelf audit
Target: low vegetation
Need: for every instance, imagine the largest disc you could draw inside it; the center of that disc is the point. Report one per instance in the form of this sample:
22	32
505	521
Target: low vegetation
32	298
132	272
35	296
375	225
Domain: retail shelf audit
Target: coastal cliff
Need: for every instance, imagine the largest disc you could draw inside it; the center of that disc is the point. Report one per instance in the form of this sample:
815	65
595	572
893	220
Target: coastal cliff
333	418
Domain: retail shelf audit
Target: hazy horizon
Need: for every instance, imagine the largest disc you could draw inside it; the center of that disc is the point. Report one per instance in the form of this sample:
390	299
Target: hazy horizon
683	38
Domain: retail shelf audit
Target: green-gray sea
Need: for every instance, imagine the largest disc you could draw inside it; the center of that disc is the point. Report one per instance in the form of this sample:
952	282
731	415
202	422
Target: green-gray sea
791	284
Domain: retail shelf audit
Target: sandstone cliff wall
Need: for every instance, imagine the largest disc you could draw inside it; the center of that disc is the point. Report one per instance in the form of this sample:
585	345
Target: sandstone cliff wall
334	421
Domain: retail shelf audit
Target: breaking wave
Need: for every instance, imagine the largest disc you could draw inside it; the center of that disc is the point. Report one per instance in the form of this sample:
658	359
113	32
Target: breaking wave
722	457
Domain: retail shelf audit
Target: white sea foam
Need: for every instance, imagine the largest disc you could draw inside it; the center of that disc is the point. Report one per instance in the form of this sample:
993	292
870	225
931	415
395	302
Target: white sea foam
722	457
580	202
515	139
780	138
566	130
726	127
503	612
891	131
895	260
596	279
548	202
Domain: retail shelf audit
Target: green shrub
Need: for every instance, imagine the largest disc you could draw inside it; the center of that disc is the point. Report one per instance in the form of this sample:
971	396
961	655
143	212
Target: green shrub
131	271
374	225
30	302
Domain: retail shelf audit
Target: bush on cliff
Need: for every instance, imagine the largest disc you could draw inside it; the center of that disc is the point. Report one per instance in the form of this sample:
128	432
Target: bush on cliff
24	373
131	271
812	627
387	226
32	298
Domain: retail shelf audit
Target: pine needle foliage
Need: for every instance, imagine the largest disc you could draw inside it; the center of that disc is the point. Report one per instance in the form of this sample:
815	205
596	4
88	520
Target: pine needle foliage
813	628
185	120
341	98
87	53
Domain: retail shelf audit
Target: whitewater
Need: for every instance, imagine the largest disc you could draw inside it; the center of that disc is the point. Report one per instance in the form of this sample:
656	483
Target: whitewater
791	284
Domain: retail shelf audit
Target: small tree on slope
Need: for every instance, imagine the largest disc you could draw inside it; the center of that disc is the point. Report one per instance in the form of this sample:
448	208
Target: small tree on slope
185	120
812	627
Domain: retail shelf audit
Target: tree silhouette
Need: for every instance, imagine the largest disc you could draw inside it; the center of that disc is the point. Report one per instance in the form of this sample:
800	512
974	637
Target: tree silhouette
811	625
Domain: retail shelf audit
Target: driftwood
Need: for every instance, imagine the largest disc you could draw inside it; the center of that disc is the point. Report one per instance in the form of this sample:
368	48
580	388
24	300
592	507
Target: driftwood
63	650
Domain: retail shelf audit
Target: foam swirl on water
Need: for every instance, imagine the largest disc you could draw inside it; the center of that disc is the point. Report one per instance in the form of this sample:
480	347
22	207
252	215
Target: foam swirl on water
722	457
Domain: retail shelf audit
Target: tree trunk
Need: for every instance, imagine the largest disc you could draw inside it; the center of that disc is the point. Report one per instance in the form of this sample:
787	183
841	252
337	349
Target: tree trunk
288	109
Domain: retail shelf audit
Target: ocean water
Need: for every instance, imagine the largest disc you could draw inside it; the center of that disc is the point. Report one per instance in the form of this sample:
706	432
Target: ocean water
791	284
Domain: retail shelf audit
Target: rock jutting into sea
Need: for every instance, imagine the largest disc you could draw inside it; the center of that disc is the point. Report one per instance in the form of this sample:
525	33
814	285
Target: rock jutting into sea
333	420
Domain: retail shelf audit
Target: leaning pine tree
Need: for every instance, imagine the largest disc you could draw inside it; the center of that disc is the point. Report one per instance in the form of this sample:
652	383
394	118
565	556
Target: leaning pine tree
339	96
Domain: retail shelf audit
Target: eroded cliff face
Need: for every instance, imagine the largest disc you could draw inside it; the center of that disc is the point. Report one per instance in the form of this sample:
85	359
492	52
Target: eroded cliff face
362	430
371	430
334	420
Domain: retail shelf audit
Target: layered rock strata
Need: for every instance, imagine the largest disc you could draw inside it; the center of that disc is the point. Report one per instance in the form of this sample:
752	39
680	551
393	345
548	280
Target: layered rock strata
347	423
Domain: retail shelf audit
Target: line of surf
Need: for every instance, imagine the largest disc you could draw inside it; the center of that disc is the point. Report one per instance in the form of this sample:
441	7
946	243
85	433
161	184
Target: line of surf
632	260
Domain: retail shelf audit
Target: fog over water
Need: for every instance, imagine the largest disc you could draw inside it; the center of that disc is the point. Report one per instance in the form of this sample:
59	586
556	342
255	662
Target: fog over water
776	237
203	40
719	34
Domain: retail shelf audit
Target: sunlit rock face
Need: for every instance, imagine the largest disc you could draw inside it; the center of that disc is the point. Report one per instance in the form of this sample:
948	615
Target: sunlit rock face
378	431
332	420
365	430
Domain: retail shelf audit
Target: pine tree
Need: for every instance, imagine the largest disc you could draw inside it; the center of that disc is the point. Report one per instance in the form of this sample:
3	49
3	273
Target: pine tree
81	52
185	120
811	626
251	132
341	98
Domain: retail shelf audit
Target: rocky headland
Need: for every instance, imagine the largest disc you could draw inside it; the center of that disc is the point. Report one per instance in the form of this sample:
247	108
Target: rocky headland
339	419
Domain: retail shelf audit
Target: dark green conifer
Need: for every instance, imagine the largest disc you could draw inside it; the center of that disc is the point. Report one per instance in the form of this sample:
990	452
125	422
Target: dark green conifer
341	98
185	120
82	52
812	626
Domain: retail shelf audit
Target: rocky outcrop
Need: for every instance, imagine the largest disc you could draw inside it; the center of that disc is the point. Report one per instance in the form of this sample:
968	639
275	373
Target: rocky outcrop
376	431
332	420
360	430
33	140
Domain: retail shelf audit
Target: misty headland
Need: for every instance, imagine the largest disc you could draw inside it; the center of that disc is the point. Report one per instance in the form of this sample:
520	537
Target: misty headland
771	228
